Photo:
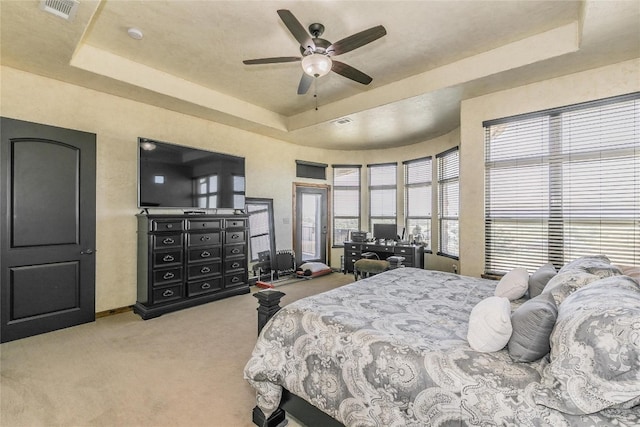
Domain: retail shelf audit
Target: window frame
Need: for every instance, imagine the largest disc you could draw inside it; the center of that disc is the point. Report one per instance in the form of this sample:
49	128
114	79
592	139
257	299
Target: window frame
408	186
446	180
336	191
565	214
373	219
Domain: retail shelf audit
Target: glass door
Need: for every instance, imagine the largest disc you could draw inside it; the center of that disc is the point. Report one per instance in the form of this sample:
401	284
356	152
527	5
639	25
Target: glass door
310	224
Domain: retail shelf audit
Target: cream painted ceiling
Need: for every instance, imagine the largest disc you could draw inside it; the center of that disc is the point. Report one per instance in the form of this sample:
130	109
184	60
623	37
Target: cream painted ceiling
435	54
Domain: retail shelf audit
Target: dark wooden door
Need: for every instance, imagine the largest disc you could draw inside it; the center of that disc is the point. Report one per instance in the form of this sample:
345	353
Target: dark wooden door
47	259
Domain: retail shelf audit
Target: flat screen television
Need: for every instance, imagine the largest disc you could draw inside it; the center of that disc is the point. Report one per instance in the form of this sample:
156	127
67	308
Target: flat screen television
175	176
385	231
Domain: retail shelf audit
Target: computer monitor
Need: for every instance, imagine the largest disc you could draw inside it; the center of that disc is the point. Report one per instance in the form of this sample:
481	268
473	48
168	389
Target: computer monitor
385	231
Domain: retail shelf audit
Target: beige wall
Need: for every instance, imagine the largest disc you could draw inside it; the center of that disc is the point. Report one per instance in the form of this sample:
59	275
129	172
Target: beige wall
595	84
118	123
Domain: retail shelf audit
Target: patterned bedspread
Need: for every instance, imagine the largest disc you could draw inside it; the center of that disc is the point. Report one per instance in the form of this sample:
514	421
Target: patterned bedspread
391	350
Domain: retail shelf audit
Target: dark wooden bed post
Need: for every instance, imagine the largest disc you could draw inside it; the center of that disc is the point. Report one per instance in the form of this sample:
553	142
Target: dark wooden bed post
269	305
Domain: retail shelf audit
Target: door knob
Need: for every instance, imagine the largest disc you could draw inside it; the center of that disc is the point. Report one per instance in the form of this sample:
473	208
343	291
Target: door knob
86	252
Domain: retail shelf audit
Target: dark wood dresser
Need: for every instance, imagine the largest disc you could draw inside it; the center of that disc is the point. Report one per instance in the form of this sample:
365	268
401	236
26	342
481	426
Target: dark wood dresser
186	260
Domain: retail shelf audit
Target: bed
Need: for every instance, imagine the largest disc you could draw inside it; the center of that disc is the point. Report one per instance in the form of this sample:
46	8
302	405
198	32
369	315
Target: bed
394	350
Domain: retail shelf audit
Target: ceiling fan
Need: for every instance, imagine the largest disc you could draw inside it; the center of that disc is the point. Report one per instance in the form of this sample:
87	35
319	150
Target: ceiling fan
317	54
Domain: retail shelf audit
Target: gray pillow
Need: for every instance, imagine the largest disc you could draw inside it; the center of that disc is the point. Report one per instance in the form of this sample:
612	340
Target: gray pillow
539	279
532	324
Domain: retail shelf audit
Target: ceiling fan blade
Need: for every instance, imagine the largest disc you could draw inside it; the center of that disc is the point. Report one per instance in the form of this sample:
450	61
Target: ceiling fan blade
296	28
356	40
305	83
351	73
272	60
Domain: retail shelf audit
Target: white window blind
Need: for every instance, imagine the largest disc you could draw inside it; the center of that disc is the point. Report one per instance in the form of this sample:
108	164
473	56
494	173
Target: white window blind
346	202
382	193
417	186
563	183
449	202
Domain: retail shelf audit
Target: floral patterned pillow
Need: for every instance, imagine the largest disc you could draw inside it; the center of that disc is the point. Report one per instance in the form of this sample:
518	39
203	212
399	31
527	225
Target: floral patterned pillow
595	350
565	283
599	265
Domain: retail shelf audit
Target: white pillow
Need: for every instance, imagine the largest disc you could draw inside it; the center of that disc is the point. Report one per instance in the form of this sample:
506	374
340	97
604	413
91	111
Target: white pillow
514	284
490	325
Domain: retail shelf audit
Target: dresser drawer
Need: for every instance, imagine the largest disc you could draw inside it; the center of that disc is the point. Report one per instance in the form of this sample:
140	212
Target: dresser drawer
204	286
167	241
202	270
236	223
374	248
352	253
203	239
352	247
404	251
235	236
167	259
204	224
160	277
166	294
235	264
166	225
232	280
235	251
204	254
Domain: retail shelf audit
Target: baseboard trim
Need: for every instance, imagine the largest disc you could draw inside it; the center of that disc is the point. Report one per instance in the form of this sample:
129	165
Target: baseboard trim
114	311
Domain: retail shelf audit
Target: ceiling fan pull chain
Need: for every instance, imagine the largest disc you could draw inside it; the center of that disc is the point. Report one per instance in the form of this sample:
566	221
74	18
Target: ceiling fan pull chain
315	91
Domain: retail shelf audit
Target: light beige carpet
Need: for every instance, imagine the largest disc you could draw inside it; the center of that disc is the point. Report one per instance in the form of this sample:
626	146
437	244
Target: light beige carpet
180	369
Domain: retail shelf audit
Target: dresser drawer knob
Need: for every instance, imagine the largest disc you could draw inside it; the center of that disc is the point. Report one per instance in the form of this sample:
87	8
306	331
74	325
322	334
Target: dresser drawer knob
205	270
235	265
167	293
168	241
235	236
168	276
168	258
235	251
205	254
235	279
169	225
205	285
204	238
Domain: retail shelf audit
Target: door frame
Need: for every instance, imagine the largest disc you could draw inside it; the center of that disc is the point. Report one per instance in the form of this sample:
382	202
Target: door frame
303	185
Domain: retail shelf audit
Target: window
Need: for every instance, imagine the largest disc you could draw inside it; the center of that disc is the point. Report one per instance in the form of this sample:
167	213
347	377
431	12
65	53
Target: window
313	170
382	194
346	202
563	183
449	202
207	191
417	189
238	192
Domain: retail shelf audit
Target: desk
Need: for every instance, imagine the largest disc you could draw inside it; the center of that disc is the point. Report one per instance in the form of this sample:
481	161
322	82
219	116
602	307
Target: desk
413	254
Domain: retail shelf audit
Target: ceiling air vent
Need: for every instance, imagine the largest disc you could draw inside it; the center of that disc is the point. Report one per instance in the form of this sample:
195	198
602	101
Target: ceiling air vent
65	9
342	121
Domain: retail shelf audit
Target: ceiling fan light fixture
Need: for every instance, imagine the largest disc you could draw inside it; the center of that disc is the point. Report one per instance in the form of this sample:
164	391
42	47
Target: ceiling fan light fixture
316	65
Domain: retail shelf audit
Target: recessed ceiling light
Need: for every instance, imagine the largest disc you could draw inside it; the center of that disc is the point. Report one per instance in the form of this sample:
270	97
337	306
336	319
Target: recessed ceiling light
134	33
